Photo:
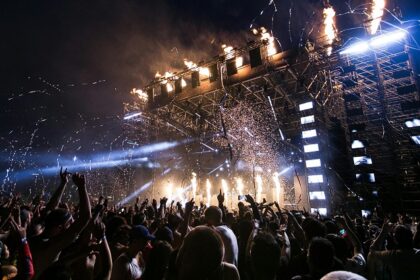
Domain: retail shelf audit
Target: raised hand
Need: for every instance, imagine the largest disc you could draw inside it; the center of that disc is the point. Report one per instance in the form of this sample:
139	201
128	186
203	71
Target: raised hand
154	204
99	230
189	206
163	201
250	199
18	229
79	180
64	176
221	197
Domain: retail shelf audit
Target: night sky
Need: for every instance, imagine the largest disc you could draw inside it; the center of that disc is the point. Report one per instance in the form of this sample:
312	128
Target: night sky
68	66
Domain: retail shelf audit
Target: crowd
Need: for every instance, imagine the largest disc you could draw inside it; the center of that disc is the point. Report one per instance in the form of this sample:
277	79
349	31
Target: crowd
149	240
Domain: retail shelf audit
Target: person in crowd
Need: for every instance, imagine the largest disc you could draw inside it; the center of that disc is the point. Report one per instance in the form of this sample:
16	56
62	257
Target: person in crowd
131	264
158	262
168	240
321	259
265	256
201	257
402	261
342	275
60	228
213	217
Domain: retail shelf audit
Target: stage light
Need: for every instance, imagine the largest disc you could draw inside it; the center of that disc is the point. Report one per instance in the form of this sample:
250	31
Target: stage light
357	144
313	163
376	42
369	176
412	123
388	38
309	133
132	116
311	148
357	48
366	213
321	211
306	106
416	139
308	119
362	160
318	195
314	179
284	171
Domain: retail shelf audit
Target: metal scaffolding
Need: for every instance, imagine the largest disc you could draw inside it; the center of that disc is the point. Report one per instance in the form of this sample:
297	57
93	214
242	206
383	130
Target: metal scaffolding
371	95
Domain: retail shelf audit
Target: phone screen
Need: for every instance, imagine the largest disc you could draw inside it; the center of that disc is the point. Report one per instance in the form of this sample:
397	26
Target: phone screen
241	197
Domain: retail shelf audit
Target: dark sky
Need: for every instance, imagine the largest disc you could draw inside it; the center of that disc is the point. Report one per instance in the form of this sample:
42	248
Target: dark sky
67	66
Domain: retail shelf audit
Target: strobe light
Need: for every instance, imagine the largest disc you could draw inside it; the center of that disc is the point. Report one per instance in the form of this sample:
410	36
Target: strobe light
376	42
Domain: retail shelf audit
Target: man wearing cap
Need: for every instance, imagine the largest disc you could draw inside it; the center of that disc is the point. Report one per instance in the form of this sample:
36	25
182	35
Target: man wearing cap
130	265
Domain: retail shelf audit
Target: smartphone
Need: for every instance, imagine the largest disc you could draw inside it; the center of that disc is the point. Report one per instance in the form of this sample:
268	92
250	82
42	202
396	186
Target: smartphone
342	232
241	197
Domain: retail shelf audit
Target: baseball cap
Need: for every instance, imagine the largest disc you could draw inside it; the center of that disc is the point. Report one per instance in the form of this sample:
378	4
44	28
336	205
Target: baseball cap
139	231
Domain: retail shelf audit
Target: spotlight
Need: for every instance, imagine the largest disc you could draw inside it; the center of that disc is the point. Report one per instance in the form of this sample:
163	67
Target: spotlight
132	115
376	42
387	39
360	47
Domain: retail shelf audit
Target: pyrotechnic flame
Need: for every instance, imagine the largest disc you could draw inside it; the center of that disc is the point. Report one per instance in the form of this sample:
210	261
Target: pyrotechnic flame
169	191
227	49
208	192
169	87
158	75
376	14
329	30
194	185
239	61
168	74
267	37
180	194
190	64
204	71
259	182
240	186
183	83
276	180
225	189
141	94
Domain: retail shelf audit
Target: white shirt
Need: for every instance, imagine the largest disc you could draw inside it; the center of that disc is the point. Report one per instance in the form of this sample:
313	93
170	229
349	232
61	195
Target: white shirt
231	244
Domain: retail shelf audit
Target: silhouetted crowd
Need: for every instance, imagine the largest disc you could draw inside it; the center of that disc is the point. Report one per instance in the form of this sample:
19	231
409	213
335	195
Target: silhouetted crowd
155	240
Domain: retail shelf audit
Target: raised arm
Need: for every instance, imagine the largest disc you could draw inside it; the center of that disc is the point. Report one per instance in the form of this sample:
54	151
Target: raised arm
184	226
68	236
105	254
357	245
379	241
221	199
254	207
25	263
298	232
56	197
